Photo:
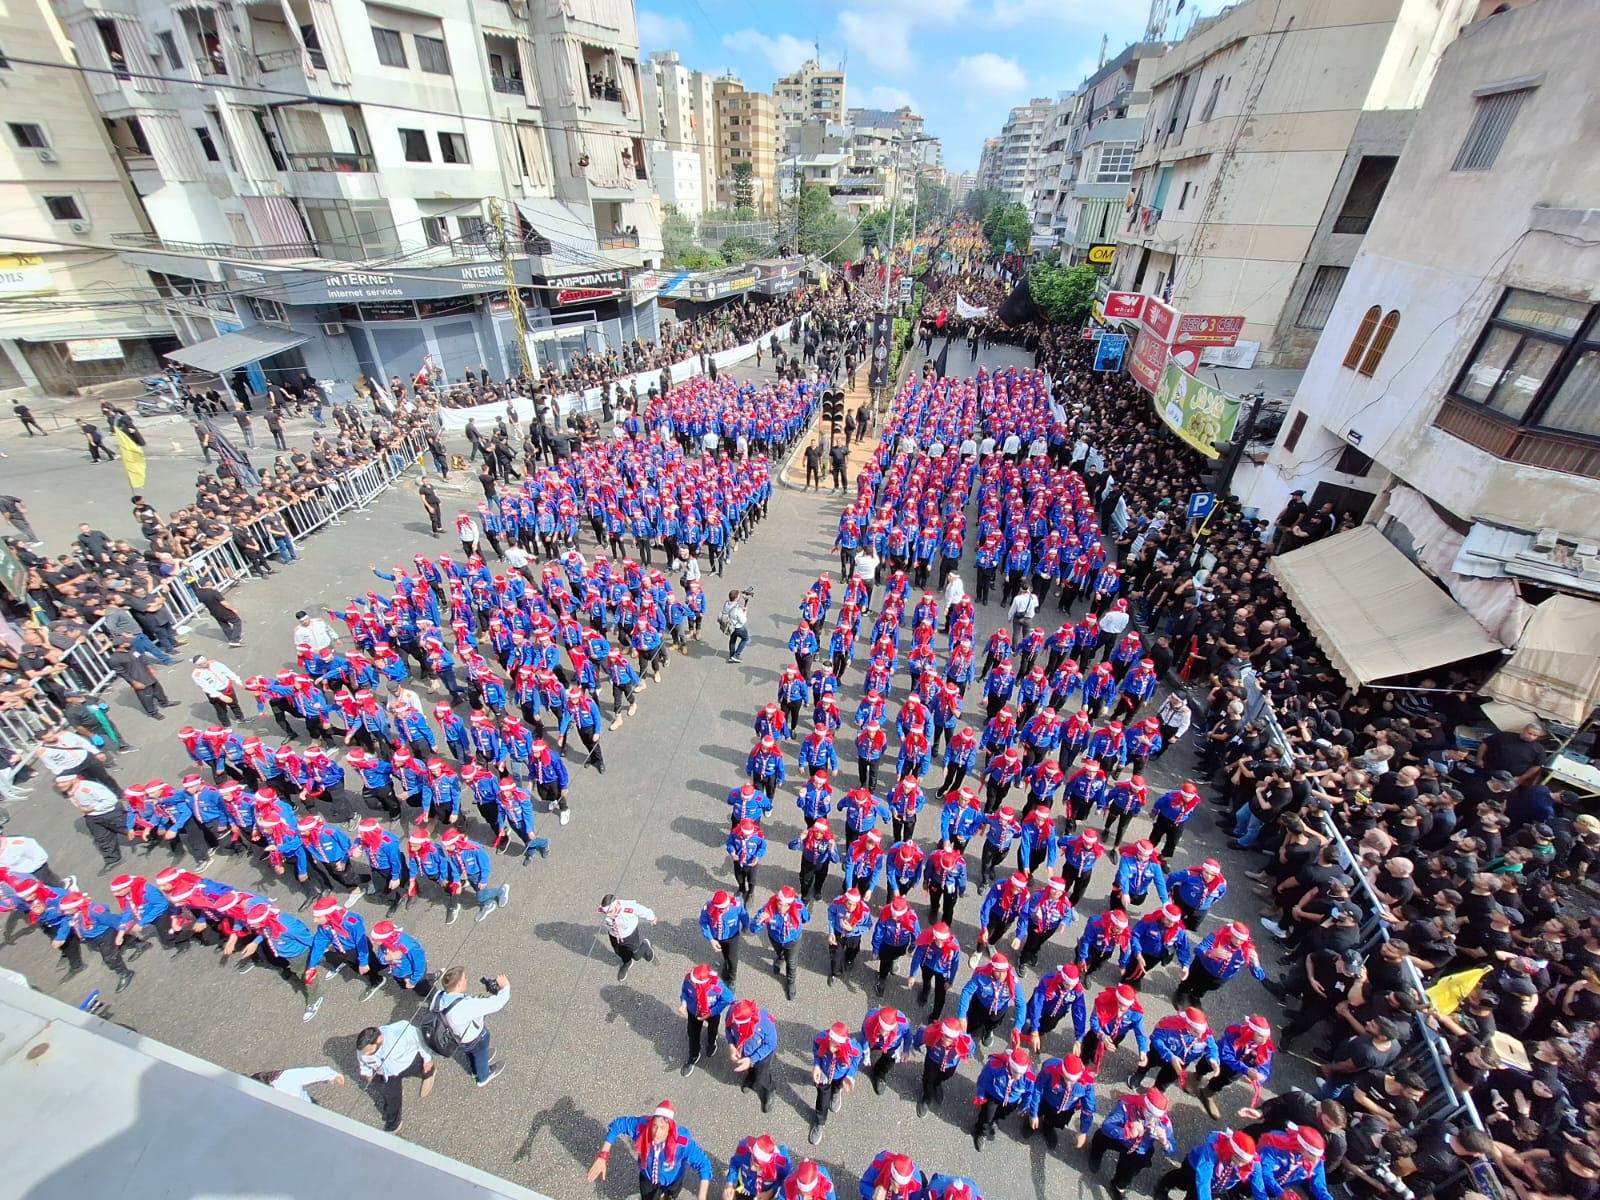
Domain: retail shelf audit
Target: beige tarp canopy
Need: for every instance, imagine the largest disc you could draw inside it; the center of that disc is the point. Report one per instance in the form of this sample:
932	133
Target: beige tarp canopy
1556	669
1374	613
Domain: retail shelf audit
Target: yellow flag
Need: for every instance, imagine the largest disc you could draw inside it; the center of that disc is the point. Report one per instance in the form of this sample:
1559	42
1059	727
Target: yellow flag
1450	991
132	459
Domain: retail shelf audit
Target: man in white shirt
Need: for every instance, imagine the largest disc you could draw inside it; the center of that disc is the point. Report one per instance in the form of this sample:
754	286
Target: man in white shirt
218	682
466	1015
293	1081
1011	447
30	858
954	589
987	446
66	755
1112	626
387	1056
969	447
866	570
102	811
1024	607
313	633
622	919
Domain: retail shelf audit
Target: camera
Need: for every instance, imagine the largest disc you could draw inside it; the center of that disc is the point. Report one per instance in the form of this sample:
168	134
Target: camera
748	593
489	984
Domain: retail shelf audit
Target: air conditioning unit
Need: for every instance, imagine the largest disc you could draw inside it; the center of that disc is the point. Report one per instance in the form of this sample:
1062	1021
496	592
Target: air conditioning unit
1546	539
332	328
46	154
79	227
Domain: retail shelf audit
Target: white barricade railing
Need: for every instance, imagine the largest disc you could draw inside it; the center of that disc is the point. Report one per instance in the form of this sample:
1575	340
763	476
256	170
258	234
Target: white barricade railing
220	566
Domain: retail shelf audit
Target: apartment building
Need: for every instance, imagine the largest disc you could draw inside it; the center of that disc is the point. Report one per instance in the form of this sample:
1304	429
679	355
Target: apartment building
70	313
1454	399
987	177
1013	166
320	176
680	133
1264	151
811	94
747	135
961	185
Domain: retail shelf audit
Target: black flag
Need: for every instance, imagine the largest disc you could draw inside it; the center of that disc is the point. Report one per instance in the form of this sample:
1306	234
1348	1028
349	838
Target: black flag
1018	307
941	363
231	454
882	335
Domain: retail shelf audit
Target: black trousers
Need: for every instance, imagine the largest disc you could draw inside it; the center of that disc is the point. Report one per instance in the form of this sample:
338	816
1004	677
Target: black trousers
1129	1163
106	830
387	1091
1199	983
842	954
813	877
223	706
105	946
703	1031
730	960
825	1094
939	986
933	1077
991	1114
758	1079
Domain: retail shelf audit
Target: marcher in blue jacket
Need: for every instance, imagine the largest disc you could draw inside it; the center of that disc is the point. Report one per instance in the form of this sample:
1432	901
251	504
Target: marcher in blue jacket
1065	1087
665	1152
723	919
1006	1083
702	1000
1224	1163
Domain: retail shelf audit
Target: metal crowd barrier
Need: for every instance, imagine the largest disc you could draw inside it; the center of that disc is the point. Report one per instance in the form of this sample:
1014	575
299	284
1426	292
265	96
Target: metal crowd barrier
220	566
1445	1101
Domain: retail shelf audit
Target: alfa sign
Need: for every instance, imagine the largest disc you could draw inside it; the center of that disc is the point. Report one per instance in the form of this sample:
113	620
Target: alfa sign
1160	320
1102	256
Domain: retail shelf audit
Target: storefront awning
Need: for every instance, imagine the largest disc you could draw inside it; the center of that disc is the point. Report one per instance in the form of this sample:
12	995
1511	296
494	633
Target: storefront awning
1556	669
235	349
1374	613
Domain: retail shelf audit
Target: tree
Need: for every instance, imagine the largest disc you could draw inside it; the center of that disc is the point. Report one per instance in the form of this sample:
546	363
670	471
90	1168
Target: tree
980	200
1008	222
874	229
1063	294
742	249
933	199
677	236
744	185
824	232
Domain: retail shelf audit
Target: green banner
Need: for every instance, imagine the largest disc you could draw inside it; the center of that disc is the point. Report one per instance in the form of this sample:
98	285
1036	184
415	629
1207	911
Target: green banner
13	575
1196	412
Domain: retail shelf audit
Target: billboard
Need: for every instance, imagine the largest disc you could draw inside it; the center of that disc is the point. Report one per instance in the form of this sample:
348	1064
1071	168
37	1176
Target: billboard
882	334
1198	413
1148	357
1160	319
1124	306
1209	331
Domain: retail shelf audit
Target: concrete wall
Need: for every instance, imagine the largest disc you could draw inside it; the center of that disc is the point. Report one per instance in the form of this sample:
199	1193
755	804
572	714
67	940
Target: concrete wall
1442	249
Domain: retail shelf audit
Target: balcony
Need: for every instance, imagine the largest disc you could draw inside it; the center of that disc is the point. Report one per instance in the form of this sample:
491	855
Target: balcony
285	60
344	164
619	241
1530	447
161	245
509	85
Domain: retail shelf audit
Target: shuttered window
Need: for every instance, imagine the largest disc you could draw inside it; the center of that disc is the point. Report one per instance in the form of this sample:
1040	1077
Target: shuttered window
1358	344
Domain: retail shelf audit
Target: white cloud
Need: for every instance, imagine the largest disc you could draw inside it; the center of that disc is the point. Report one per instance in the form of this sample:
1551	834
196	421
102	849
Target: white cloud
659	31
885	97
989	74
783	53
880	39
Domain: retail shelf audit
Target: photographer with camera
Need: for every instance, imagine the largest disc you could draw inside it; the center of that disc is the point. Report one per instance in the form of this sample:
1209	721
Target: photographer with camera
463	1017
735	622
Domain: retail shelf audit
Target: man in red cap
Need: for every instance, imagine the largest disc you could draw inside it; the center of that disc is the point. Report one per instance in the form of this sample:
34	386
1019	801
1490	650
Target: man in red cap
1006	1083
945	1046
665	1150
1224	1163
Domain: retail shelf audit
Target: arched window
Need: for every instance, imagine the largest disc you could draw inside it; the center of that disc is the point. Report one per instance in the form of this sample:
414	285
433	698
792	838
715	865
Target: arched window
1380	343
1358	344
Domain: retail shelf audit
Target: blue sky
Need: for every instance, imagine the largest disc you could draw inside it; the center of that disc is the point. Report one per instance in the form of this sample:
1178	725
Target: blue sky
961	63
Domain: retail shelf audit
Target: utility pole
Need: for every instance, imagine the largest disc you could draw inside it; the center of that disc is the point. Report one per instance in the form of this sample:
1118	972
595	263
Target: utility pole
508	269
894	206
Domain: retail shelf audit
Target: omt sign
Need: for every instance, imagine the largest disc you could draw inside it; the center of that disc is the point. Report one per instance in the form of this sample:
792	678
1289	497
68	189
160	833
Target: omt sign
1102	256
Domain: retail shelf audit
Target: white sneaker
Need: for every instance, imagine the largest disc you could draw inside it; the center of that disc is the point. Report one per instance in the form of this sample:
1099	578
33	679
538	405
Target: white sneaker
312	1010
484	913
505	896
565	816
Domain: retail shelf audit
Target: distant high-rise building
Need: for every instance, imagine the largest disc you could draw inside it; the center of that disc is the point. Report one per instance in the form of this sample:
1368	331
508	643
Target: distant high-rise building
680	132
747	132
812	93
961	185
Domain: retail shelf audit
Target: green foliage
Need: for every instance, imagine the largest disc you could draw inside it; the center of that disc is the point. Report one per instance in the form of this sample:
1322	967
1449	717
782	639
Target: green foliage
744	185
933	199
1008	222
825	232
677	237
980	200
700	260
742	249
1063	294
874	229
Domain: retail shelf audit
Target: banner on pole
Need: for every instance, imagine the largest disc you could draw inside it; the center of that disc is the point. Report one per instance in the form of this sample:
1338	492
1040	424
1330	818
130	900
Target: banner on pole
133	460
882	335
1109	353
1198	413
969	311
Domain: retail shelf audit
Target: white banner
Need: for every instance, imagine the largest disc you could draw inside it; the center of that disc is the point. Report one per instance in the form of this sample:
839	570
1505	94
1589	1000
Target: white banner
455	419
968	311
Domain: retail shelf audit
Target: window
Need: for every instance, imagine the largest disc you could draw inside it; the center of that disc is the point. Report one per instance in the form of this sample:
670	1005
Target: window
474	230
63	208
1358	344
1324	290
437	230
169	47
1366	192
1380	344
1183	196
1490	124
1538	363
1352	462
431	55
263	309
1296	428
1210	105
208	145
1115	164
391	47
415	143
28	137
453	148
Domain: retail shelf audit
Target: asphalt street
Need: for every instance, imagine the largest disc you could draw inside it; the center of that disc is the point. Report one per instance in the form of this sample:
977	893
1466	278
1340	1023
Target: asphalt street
579	1047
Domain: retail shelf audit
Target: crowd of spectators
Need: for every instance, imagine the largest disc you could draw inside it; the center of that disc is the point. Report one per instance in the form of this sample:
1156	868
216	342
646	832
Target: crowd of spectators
1464	861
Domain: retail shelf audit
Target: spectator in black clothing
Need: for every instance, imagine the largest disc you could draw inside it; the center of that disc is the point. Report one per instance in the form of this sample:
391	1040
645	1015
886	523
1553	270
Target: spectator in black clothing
226	616
147	689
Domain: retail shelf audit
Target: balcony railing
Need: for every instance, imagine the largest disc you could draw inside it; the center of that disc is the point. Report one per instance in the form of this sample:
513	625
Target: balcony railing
341	163
1530	447
150	241
278	60
619	241
509	84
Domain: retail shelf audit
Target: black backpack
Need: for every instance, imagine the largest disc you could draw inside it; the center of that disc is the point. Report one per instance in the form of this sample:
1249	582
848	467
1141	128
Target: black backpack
436	1031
